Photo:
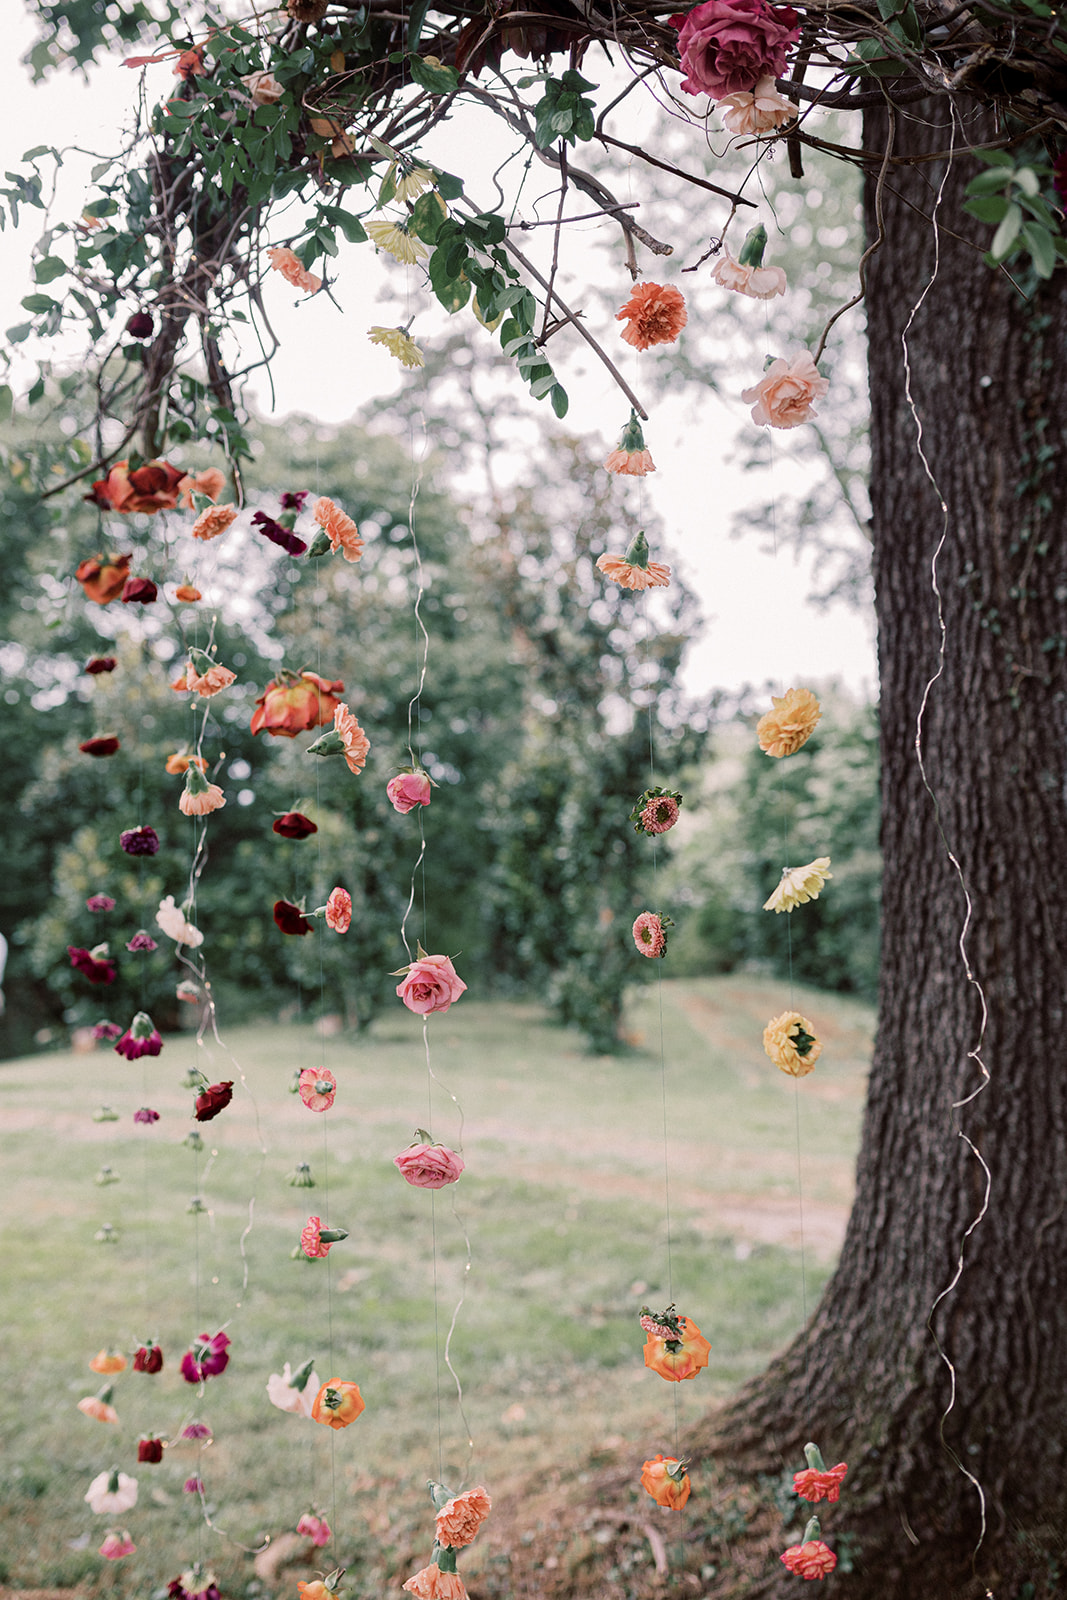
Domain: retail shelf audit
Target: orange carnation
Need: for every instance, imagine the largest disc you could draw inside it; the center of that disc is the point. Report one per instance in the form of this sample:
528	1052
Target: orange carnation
356	743
676	1359
667	1481
433	1584
338	1403
656	315
293	270
107	1361
620	571
187	594
342	531
458	1521
789	724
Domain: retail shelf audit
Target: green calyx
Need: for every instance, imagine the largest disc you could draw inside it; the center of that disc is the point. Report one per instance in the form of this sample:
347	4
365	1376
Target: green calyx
637	550
195	782
753	247
813	1456
632	438
319	546
299	1380
142	1026
330	744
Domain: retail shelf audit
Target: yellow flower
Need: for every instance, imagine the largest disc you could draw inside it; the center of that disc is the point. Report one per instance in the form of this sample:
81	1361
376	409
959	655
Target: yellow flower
799	885
790	1042
398	344
394	237
791	722
413	183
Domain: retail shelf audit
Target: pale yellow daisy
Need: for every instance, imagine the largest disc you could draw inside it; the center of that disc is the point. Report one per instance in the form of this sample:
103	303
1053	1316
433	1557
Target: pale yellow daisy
799	885
394	237
410	184
398	344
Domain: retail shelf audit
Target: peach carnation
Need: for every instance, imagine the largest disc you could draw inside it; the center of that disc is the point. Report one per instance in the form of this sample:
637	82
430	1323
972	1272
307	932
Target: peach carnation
759	283
458	1521
212	521
355	741
655	315
786	393
430	1583
339	527
197	803
293	270
209	482
634	570
789	724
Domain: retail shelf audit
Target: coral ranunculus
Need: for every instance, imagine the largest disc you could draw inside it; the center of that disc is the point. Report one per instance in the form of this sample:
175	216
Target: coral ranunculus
677	1359
728	45
152	487
813	1559
294	702
430	984
338	1403
103	579
667	1481
459	1520
655	314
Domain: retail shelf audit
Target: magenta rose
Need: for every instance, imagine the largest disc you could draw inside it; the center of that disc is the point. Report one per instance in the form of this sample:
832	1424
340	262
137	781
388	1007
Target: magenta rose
429	1166
408	790
726	46
430	984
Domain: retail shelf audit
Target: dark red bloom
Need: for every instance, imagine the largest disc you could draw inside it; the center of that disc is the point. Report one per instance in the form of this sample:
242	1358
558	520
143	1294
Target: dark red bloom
105	744
149	1358
294	825
140	325
96	970
215	1098
277	534
139	841
138	591
290	918
1059	176
150	1449
136	1043
207	1358
293	499
101	664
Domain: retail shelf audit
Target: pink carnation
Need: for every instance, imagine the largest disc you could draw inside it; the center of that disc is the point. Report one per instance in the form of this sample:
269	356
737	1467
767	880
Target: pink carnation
339	910
430	984
729	45
429	1166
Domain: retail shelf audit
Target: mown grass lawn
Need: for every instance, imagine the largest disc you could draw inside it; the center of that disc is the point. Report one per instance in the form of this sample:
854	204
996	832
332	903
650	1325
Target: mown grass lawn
564	1202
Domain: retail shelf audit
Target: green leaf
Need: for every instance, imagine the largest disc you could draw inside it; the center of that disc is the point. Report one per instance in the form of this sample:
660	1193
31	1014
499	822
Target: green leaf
487	226
20	332
543	385
574	81
427	217
350	226
560	403
97	172
1005	235
452	288
987	207
38	302
416	18
995	158
38	150
1027	180
49	269
992	181
437	79
1042	249
7	402
36	393
449	187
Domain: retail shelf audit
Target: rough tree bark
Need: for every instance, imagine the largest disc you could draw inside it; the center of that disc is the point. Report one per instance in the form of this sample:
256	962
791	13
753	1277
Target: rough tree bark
989	380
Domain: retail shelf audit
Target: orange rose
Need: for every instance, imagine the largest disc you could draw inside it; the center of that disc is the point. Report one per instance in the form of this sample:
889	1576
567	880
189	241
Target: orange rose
676	1359
152	487
295	701
103	577
667	1481
338	1403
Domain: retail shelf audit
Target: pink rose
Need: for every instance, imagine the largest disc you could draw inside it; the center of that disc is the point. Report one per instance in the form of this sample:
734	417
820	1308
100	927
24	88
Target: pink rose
430	984
729	45
408	790
429	1166
785	393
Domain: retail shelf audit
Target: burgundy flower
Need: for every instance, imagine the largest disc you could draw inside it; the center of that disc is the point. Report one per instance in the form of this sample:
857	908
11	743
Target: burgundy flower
104	744
727	45
290	918
101	664
179	1588
294	825
277	534
140	1039
293	499
140	325
150	1449
100	902
139	841
106	1030
1059	176
196	1430
97	969
215	1098
138	591
142	941
146	1114
207	1357
149	1358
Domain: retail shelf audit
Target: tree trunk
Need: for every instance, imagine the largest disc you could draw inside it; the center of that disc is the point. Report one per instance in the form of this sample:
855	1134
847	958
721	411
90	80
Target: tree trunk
866	1380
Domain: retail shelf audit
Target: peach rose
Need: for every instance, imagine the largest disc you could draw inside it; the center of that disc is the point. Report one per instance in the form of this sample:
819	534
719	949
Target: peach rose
758	110
785	394
430	984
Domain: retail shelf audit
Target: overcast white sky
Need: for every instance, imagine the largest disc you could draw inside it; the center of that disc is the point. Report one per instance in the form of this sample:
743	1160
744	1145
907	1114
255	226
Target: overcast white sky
326	369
